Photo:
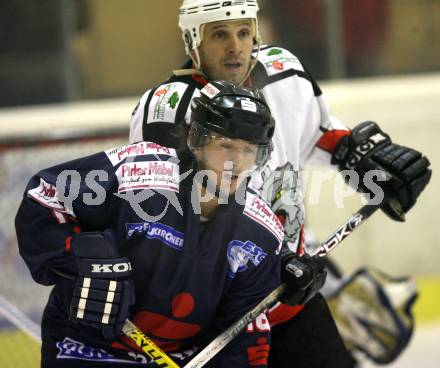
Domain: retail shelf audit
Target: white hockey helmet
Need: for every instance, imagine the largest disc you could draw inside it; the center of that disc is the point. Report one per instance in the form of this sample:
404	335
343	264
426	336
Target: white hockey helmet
194	14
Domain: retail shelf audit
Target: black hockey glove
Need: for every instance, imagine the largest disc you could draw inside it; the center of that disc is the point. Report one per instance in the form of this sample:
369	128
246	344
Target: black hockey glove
406	171
103	291
304	276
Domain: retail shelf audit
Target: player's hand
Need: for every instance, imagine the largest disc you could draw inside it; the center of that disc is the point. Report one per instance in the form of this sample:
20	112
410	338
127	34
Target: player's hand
406	171
303	276
103	291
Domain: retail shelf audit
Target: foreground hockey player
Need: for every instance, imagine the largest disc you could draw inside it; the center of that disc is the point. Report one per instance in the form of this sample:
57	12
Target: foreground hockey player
223	42
183	258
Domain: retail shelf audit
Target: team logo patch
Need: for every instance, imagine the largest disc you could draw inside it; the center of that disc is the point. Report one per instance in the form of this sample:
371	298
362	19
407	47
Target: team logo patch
174	99
148	175
210	91
119	154
165	101
240	253
71	349
277	60
260	212
46	194
155	230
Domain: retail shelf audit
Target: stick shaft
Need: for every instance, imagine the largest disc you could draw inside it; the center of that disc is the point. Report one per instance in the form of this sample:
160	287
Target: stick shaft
147	346
232	331
346	229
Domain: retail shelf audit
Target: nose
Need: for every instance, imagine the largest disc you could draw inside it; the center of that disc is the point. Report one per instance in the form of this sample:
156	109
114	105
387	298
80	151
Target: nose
240	163
234	46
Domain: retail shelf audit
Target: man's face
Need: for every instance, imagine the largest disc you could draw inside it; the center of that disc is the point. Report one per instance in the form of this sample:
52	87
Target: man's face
226	48
237	156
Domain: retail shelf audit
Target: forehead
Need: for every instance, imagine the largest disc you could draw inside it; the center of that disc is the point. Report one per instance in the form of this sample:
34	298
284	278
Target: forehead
217	138
228	24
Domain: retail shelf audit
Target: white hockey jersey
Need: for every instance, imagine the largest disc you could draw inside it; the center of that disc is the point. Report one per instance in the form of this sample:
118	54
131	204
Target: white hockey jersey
305	131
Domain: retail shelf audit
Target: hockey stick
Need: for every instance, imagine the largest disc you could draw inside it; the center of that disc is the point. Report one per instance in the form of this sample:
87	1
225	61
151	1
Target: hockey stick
230	333
147	345
19	319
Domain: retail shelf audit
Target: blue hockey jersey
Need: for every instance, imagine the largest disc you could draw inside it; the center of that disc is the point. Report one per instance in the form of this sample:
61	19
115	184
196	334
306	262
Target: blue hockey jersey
191	281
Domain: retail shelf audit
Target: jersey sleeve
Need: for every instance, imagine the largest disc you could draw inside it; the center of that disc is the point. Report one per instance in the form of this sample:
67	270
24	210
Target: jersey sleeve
58	202
322	140
309	132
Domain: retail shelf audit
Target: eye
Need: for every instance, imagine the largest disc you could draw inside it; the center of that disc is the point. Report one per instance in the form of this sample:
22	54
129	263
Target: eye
226	145
250	150
219	35
244	33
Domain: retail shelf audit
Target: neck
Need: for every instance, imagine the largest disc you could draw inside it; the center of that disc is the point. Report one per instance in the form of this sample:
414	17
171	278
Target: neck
207	209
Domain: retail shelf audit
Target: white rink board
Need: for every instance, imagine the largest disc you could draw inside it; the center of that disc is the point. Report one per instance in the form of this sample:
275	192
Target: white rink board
407	108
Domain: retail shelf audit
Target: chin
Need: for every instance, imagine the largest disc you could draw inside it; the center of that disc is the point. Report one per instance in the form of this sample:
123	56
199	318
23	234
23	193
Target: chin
236	78
233	78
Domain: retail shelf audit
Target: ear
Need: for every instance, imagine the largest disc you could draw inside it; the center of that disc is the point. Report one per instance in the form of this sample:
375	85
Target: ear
197	154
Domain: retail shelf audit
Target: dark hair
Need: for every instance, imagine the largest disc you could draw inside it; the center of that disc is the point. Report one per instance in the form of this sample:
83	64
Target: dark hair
184	154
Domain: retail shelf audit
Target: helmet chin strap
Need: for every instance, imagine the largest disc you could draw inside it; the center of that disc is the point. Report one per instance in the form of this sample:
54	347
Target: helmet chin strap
195	57
252	64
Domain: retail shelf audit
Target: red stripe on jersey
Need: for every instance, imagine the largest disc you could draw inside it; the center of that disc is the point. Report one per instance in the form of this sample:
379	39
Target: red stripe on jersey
330	139
282	312
301	242
67	244
257	355
200	79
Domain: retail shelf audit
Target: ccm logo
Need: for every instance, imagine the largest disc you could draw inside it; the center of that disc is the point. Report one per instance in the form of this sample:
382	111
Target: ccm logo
108	268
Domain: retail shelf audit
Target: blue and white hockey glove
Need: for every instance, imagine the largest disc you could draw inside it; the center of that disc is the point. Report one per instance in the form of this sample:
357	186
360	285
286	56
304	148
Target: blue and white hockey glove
304	276
406	170
104	290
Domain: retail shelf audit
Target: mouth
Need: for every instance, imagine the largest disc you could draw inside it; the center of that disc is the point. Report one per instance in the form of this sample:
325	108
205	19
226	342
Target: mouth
230	175
233	65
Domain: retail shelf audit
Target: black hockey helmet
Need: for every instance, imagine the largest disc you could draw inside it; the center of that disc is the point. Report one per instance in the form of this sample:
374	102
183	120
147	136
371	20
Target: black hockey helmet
233	111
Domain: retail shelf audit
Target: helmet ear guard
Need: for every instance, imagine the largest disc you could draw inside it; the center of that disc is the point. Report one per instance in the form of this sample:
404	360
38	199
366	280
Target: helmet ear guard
186	35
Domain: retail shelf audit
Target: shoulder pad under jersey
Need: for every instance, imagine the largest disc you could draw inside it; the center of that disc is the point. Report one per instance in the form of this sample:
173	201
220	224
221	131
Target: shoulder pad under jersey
164	101
145	165
277	60
118	154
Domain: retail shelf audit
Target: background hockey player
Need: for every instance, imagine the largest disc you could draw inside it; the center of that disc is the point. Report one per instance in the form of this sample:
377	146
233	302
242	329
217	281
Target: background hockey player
223	42
148	238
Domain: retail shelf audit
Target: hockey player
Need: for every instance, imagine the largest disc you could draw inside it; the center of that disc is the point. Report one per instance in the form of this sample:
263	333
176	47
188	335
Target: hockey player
174	258
223	42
